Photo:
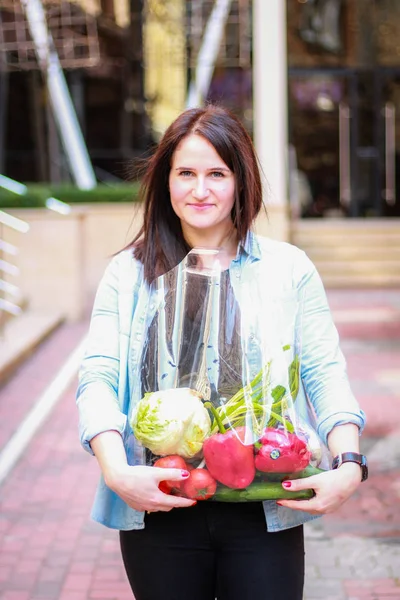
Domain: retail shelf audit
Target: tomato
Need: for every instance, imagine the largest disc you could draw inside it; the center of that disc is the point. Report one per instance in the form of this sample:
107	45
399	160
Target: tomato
201	485
170	462
165	487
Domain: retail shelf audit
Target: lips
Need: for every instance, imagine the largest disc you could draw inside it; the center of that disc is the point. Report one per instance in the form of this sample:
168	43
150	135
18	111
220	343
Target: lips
201	206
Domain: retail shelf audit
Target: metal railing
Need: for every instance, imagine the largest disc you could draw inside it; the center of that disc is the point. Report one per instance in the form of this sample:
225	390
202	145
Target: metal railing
10	294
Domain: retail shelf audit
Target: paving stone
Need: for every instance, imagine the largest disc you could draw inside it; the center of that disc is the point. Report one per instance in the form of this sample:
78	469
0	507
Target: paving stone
320	588
48	589
336	572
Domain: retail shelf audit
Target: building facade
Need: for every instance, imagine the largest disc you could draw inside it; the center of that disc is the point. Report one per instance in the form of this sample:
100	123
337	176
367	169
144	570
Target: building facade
344	105
100	48
316	82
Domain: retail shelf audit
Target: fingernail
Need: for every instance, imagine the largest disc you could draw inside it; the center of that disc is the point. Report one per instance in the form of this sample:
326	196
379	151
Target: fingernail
280	503
287	484
185	474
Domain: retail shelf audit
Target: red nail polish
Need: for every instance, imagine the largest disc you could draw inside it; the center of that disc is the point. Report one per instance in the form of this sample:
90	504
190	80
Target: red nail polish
185	473
287	484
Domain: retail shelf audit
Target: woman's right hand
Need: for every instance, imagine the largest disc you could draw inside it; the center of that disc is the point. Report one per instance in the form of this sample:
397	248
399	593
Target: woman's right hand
138	487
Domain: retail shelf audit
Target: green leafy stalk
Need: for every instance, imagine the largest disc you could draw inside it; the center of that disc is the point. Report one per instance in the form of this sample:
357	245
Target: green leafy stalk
217	418
285	422
233	413
237	417
294	377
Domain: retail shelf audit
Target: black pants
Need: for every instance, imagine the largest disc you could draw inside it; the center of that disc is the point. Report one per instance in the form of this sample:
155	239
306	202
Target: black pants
211	550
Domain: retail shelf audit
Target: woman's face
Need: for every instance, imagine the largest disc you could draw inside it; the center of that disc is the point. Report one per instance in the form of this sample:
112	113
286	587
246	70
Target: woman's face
202	188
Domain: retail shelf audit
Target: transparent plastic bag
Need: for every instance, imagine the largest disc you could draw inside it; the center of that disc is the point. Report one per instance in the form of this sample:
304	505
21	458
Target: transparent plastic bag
220	374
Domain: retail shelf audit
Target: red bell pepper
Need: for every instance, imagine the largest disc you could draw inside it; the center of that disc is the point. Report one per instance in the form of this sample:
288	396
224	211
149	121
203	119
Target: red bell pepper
281	452
229	460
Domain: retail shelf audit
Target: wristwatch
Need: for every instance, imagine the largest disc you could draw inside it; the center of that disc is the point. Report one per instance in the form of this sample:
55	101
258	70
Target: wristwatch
360	459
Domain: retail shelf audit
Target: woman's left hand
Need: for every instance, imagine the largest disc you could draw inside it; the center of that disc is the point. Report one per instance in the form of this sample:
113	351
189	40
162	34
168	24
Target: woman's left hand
332	489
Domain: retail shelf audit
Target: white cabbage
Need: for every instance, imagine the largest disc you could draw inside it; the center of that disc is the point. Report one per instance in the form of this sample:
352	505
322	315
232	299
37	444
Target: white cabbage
172	421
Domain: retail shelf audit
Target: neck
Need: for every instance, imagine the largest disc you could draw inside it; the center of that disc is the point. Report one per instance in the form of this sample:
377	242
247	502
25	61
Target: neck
226	240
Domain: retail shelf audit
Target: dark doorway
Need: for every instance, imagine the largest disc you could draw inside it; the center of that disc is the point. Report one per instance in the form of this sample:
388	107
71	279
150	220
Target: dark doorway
344	134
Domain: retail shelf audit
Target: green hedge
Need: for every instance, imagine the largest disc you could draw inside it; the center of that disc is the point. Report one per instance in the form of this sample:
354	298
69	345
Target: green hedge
37	195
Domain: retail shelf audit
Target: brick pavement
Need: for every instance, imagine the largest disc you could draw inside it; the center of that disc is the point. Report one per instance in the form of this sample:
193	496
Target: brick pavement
50	550
354	553
20	392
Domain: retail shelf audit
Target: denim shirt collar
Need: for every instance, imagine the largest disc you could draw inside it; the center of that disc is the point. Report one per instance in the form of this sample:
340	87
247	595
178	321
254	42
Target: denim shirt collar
250	247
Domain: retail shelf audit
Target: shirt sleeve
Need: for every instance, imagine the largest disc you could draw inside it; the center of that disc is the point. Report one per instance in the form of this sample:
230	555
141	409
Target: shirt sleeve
323	366
97	394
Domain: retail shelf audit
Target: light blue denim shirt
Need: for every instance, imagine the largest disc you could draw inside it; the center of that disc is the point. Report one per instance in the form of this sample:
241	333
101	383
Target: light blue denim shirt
109	375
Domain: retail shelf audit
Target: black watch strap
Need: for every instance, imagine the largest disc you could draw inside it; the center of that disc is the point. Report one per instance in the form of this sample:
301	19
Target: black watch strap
360	459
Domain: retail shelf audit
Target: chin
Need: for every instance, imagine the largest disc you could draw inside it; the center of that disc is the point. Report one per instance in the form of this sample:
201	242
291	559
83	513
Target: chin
201	226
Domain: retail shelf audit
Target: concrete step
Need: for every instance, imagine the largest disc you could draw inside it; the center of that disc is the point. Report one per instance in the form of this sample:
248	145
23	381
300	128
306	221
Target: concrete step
352	253
360	280
346	240
347	235
368	267
347	232
21	336
369	226
382	243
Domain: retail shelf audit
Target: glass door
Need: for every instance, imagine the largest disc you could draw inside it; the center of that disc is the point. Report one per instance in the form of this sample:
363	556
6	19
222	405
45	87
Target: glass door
389	168
344	136
365	144
320	141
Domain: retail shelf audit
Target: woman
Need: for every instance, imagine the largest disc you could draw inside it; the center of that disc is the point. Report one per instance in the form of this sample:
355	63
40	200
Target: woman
202	187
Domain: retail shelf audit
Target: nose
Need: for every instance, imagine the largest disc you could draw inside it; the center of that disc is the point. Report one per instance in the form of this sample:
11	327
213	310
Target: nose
200	190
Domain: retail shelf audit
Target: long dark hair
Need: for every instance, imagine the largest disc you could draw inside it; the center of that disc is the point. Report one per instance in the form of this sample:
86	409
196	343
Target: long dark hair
160	244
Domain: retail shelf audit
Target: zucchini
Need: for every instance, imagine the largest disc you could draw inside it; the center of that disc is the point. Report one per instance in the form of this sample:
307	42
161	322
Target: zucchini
257	492
268	490
307	472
